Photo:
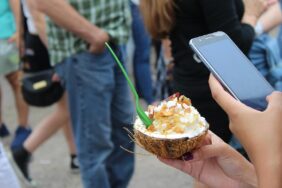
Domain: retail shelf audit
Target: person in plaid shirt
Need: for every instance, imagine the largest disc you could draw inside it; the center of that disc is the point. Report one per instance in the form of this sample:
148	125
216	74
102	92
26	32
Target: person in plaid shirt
99	100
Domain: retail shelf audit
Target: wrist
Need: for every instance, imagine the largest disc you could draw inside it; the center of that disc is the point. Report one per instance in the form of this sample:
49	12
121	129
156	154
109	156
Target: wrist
88	33
250	178
250	19
269	172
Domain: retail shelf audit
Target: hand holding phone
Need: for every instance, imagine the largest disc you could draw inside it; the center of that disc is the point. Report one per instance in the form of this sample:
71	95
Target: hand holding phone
232	68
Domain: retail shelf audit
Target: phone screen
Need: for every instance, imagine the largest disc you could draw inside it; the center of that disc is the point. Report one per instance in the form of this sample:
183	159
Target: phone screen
235	70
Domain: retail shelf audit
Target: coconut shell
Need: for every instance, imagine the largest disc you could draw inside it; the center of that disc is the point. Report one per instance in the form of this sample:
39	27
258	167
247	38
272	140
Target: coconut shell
168	148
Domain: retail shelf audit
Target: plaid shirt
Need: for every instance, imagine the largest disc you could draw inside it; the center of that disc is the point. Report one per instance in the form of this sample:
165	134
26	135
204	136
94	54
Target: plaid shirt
111	15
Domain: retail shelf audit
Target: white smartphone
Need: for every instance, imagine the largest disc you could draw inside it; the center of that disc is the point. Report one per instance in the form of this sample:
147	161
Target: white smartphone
232	68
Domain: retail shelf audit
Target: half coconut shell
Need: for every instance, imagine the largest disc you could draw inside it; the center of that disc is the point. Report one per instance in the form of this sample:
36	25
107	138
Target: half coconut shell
167	147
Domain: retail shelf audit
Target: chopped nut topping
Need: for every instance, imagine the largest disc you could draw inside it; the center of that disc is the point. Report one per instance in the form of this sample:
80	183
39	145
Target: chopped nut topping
171	115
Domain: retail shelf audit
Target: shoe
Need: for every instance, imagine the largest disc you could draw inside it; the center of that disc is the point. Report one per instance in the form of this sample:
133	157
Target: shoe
21	135
4	132
28	183
74	164
22	159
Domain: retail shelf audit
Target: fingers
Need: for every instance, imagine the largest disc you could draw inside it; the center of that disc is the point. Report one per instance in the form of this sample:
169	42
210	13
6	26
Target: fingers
214	138
265	4
224	99
212	146
210	138
97	46
56	78
209	151
96	50
12	39
275	101
207	140
184	166
174	163
271	2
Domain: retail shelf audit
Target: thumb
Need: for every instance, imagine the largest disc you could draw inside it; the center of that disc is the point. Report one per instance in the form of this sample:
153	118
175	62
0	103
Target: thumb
208	151
223	98
274	100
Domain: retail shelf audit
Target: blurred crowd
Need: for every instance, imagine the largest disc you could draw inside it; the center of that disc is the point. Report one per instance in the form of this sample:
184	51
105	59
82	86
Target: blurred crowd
53	53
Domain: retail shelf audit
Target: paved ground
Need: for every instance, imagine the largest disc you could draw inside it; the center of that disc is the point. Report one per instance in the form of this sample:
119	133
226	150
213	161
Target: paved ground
50	166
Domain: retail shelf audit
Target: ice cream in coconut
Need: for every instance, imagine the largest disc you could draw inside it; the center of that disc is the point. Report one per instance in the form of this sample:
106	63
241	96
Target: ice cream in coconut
177	128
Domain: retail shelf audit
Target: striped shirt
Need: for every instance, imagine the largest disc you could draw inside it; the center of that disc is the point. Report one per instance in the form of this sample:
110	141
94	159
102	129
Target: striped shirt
113	16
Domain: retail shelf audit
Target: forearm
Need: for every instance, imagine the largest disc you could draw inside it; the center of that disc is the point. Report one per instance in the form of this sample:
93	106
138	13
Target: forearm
15	6
266	156
269	171
249	179
69	18
250	19
271	18
39	21
265	153
41	28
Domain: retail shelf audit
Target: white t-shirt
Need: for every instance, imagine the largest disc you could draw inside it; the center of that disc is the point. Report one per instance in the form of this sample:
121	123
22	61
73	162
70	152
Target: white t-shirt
137	1
29	19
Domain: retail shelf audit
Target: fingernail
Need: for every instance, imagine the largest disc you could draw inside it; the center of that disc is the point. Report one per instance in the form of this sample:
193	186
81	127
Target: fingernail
187	156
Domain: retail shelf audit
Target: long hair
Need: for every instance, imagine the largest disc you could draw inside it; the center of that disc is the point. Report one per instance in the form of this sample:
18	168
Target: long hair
158	16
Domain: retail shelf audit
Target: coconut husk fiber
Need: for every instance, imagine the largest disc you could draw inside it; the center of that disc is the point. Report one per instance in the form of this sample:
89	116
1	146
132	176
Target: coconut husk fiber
166	147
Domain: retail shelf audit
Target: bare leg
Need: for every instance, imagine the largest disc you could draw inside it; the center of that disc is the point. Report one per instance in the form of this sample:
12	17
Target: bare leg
69	138
48	126
22	107
68	131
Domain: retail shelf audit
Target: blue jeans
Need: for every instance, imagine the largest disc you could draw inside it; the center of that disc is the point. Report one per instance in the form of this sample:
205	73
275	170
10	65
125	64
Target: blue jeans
141	57
100	107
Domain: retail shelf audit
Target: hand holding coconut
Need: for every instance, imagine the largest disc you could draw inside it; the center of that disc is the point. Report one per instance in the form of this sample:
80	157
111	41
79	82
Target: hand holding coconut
177	128
216	164
259	132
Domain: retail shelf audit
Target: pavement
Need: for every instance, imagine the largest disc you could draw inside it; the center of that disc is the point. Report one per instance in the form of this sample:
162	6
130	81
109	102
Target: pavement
50	164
